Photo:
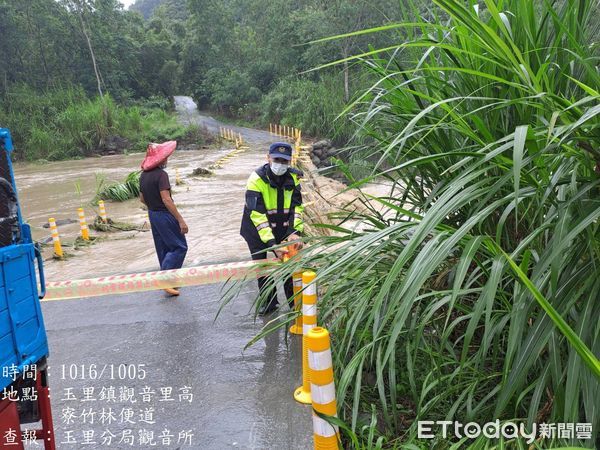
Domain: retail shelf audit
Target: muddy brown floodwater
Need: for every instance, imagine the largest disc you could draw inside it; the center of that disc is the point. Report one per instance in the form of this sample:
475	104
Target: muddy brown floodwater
211	206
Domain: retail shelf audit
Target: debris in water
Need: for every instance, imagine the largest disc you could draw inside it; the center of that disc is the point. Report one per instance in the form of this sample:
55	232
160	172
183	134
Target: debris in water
82	243
112	226
201	172
61	222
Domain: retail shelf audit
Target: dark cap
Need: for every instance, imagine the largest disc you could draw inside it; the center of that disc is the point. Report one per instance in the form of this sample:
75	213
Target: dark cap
281	150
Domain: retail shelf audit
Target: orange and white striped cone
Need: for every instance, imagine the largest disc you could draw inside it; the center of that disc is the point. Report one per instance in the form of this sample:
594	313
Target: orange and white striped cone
58	251
322	388
102	208
85	232
309	321
297	327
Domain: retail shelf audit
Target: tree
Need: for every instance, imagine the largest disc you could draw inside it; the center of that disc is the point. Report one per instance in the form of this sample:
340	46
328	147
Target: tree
80	6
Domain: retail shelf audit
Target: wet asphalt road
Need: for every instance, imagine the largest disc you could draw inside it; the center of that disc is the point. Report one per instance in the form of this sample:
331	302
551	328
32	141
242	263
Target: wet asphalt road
239	399
188	114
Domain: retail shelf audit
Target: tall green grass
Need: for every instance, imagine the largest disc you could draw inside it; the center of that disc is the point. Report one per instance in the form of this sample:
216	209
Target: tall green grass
63	123
476	297
309	105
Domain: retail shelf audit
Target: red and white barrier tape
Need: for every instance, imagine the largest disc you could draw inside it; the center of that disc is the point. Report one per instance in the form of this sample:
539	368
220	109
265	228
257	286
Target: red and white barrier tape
139	282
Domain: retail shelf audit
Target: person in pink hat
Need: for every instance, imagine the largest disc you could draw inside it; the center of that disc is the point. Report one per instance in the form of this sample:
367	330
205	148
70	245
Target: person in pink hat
168	227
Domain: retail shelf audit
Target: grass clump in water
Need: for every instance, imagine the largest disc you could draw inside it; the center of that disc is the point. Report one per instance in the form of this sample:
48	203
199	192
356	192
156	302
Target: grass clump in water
120	192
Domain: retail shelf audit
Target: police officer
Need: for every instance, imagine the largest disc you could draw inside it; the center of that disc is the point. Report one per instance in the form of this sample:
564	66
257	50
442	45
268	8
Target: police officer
273	213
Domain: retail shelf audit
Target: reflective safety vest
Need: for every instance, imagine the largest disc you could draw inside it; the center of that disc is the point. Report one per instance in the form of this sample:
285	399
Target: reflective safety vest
273	208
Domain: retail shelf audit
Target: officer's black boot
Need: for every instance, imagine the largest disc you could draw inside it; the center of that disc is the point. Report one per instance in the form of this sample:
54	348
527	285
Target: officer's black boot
288	288
271	304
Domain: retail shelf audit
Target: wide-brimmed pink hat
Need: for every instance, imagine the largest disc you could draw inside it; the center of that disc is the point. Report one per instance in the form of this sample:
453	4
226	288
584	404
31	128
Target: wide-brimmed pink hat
156	154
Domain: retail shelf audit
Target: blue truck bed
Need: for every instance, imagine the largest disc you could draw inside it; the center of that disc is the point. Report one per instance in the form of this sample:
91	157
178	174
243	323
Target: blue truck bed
23	340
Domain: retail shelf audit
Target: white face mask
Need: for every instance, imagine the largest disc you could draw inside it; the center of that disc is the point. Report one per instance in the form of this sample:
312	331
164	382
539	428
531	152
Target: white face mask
278	168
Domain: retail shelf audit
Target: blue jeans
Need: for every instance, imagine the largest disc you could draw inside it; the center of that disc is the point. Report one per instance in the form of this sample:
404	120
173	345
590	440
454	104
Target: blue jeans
171	246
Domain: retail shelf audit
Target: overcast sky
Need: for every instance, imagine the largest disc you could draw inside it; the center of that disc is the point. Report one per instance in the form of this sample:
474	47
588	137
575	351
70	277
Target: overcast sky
127	2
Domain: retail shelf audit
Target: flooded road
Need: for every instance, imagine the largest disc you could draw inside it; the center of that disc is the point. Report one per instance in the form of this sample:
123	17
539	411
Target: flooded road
235	398
242	398
212	206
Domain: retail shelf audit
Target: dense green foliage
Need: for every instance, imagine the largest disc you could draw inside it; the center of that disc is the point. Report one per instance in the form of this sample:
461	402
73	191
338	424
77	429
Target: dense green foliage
241	53
44	45
243	59
50	76
476	296
311	105
64	123
146	7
